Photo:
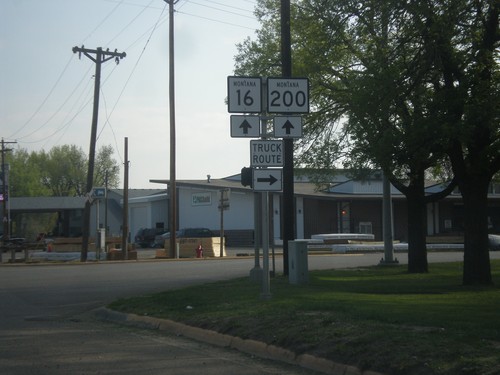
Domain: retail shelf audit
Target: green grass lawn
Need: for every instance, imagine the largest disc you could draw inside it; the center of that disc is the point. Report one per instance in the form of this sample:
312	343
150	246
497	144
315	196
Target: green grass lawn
378	318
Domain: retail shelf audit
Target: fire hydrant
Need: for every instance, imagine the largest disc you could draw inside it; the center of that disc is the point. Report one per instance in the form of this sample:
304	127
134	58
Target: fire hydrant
199	252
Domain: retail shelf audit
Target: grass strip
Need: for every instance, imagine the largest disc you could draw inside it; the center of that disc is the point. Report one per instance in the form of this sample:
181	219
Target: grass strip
378	318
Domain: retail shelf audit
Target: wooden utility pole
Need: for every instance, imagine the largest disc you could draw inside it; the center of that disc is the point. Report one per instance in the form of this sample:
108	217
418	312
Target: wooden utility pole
288	188
100	57
172	188
5	197
125	205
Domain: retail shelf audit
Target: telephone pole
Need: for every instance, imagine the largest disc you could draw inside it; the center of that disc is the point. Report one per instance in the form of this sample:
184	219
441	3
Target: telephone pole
288	188
125	228
100	57
172	188
5	196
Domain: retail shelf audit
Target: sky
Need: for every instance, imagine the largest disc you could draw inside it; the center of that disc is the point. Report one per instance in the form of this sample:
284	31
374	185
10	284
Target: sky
46	90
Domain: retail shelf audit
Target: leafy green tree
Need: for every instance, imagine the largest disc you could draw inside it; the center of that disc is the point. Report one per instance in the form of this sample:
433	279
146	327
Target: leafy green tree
64	170
25	174
106	168
60	172
378	66
463	39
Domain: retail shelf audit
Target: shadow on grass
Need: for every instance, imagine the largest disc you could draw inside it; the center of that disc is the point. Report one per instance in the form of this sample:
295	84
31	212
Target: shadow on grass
380	318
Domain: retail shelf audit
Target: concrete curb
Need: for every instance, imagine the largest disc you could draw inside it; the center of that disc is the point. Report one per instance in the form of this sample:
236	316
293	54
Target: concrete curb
247	346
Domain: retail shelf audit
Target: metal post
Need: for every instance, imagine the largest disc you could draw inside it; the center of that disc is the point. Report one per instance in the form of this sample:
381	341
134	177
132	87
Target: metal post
222	222
97	233
106	208
387	223
266	288
256	271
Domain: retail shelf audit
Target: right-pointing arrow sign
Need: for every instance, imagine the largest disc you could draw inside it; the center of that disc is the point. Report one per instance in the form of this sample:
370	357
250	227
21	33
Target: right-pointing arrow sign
271	179
268	179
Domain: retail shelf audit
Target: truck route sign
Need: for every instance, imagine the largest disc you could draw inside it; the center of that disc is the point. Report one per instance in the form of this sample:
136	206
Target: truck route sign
264	153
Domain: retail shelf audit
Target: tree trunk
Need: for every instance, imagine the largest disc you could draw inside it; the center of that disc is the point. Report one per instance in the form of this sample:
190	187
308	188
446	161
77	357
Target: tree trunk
417	221
477	270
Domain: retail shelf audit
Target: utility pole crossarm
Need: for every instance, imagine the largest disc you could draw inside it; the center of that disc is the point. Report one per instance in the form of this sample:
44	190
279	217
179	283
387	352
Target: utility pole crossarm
105	55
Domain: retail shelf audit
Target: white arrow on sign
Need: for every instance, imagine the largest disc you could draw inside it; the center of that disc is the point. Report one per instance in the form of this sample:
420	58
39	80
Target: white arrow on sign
268	179
288	126
245	126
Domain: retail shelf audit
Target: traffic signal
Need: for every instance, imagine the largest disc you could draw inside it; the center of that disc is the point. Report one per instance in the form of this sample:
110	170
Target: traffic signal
247	176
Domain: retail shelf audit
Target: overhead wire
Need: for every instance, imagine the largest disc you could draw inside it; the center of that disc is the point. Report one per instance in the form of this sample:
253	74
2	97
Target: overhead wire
56	84
129	77
151	30
20	139
130	22
222	10
64	126
214	20
104	19
85	98
44	100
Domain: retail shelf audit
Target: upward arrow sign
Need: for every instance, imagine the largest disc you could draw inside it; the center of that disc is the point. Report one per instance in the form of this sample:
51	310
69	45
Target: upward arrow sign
288	126
245	125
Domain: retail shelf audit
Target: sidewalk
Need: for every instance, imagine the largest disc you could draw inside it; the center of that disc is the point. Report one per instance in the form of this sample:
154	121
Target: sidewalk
142	254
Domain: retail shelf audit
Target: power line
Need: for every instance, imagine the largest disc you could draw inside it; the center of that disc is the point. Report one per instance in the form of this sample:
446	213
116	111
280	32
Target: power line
103	20
44	100
130	23
130	76
223	10
214	20
55	112
151	30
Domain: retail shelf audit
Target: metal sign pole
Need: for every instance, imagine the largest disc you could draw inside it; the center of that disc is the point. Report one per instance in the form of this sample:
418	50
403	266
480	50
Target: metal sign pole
266	289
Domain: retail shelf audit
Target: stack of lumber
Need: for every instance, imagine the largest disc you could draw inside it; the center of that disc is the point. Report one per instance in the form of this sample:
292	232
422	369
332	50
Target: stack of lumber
187	248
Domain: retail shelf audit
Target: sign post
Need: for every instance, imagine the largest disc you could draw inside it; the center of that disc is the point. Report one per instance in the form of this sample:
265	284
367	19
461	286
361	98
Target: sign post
284	96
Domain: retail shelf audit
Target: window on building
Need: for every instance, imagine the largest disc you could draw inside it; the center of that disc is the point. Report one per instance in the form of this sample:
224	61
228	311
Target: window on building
365	227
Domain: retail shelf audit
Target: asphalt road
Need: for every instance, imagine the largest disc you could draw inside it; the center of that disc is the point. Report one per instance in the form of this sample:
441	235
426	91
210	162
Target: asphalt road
47	325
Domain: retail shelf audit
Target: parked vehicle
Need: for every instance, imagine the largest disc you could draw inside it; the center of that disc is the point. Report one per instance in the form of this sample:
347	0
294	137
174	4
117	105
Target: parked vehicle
184	233
494	240
12	242
145	237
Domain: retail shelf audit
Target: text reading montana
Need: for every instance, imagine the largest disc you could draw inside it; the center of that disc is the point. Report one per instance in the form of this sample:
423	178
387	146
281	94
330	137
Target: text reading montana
244	83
